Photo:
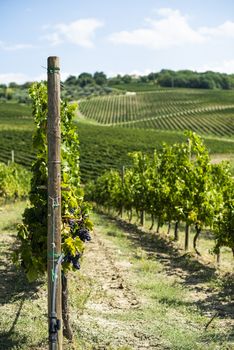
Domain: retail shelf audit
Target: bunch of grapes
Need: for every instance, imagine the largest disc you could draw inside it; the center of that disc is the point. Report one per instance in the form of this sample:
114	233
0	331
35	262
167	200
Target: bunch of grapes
71	223
74	260
84	234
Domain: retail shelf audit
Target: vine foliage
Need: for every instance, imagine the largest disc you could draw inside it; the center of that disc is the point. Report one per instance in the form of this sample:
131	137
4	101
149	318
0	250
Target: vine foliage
177	184
32	233
14	182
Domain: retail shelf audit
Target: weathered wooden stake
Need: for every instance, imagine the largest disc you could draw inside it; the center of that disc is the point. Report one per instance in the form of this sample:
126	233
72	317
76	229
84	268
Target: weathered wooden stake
186	240
54	203
122	204
12	156
176	235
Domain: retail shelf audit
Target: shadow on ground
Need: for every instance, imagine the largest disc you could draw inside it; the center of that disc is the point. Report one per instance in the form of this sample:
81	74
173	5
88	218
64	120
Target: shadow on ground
14	287
14	284
217	291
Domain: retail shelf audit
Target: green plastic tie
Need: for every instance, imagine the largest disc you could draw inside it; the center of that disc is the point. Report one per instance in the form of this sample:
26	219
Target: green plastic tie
53	70
53	255
55	203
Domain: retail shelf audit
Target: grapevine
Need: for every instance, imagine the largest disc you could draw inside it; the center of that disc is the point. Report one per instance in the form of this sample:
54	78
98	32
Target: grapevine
177	184
32	253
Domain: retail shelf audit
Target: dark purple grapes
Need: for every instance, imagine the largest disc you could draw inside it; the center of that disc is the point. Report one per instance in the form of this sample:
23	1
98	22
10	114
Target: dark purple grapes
74	260
76	263
71	223
72	210
84	234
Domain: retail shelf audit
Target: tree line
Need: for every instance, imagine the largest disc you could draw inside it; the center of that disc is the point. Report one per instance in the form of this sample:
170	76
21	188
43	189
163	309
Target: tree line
179	79
87	84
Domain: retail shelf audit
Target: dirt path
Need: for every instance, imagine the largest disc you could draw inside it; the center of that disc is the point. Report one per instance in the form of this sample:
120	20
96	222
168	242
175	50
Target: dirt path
114	314
111	298
110	276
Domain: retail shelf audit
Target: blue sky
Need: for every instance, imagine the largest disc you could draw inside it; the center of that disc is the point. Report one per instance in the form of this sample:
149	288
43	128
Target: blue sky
124	36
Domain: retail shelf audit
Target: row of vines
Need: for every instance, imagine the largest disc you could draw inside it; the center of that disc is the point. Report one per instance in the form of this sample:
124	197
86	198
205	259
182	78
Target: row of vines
14	182
162	110
179	185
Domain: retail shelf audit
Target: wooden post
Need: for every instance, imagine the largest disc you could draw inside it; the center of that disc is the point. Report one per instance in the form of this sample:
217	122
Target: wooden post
142	218
186	240
122	204
54	204
12	156
176	235
187	227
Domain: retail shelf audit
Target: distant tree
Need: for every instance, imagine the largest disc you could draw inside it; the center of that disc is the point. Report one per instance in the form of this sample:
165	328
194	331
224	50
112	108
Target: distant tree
9	93
13	85
3	90
144	79
226	82
207	82
100	78
152	76
71	80
127	79
115	80
26	85
85	79
194	81
166	79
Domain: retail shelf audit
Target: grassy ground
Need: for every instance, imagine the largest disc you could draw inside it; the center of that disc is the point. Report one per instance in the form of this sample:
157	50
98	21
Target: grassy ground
23	305
135	291
176	295
205	244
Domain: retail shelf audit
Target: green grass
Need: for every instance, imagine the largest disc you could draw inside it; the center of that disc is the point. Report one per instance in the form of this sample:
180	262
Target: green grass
23	305
169	309
17	296
11	215
205	244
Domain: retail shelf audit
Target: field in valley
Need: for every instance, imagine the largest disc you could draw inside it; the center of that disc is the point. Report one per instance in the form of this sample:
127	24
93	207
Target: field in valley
111	127
206	112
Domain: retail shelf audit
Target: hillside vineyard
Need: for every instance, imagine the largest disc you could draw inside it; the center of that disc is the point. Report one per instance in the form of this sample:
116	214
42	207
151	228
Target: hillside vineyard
202	111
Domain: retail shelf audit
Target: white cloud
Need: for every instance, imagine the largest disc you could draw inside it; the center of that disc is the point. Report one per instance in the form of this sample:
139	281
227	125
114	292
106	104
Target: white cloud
20	78
80	32
172	29
15	47
224	30
53	38
227	66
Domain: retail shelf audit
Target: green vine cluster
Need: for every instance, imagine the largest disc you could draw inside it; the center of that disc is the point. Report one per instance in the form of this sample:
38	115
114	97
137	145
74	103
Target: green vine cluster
32	233
177	184
14	182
